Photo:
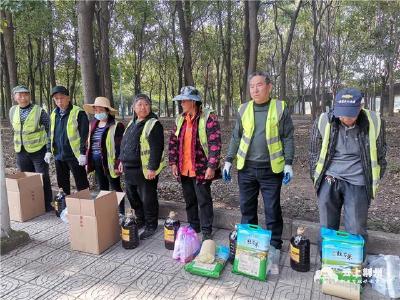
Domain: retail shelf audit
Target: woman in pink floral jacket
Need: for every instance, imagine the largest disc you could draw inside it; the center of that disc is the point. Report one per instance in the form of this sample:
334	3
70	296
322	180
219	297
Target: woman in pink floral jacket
194	156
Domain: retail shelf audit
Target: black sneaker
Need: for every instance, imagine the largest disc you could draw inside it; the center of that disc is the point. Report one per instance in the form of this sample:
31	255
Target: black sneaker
148	232
206	236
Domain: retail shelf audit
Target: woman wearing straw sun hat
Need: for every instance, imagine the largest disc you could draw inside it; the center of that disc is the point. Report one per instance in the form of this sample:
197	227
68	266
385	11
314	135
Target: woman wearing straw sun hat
104	140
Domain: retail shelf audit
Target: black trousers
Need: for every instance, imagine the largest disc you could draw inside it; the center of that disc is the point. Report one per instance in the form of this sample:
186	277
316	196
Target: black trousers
251	182
198	196
63	169
34	162
106	183
143	197
334	194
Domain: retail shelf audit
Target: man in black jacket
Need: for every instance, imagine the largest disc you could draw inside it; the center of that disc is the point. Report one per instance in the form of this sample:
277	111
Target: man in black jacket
347	159
68	134
142	160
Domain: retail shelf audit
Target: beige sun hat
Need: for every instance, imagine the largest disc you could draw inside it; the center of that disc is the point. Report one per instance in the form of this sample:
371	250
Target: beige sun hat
99	101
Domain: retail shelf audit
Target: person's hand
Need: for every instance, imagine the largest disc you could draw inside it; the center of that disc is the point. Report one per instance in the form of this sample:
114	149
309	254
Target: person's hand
82	160
210	173
175	171
47	157
151	174
120	168
226	172
287	174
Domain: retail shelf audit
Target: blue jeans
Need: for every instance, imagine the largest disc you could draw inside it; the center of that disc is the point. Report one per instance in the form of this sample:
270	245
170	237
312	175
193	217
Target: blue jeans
251	181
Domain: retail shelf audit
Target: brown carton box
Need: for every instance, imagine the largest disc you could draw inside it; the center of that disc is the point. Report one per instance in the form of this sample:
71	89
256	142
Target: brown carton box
25	196
93	223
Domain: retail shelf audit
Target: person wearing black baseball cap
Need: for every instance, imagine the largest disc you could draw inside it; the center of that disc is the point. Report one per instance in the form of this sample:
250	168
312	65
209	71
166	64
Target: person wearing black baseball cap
347	160
68	136
31	127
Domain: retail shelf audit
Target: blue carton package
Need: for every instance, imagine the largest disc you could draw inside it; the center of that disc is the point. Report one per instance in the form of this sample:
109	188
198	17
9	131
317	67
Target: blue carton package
342	257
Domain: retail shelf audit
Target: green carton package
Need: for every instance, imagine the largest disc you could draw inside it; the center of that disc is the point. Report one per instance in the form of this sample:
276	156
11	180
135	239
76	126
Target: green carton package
251	258
210	270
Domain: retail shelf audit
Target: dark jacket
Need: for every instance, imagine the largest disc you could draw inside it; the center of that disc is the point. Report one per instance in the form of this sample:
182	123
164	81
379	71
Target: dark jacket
199	160
362	122
130	145
119	132
62	148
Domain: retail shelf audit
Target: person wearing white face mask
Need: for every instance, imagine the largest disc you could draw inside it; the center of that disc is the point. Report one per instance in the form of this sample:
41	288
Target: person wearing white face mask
103	145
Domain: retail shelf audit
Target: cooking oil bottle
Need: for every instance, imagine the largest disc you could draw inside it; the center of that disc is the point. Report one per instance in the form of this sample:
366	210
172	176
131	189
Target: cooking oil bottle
129	231
300	251
171	227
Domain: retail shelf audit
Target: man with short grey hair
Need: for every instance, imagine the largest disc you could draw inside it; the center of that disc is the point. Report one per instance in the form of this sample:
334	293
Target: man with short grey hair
262	143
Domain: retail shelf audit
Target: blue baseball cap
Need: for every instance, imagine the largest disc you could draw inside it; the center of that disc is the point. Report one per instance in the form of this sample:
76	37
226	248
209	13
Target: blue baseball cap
347	103
188	93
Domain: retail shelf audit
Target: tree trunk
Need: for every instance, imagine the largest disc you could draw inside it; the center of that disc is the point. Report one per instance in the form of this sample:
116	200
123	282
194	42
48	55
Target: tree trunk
285	49
5	228
254	38
86	49
228	64
7	89
8	33
246	52
31	75
104	49
185	27
75	71
52	74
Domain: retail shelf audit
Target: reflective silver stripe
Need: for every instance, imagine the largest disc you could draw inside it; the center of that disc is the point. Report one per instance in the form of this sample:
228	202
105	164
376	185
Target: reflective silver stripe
374	164
323	121
279	108
242	108
35	141
375	182
246	139
275	155
273	140
241	153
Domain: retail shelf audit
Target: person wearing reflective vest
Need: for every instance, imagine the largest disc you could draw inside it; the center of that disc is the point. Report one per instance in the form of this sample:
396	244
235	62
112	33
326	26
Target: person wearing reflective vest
347	160
68	134
262	143
141	160
31	127
103	146
194	157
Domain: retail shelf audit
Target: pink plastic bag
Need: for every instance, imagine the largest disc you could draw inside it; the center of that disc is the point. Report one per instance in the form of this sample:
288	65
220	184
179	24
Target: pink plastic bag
187	244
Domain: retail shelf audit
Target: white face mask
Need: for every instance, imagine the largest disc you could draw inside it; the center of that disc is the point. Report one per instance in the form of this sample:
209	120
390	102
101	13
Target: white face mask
101	116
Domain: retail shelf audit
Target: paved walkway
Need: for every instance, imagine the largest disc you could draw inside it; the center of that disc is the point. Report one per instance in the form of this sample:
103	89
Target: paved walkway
46	268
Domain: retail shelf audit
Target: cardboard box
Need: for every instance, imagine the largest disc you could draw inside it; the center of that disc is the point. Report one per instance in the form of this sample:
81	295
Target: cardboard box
25	196
93	223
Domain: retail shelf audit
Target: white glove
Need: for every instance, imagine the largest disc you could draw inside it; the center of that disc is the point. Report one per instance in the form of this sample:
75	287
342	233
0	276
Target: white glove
82	160
47	157
287	174
226	172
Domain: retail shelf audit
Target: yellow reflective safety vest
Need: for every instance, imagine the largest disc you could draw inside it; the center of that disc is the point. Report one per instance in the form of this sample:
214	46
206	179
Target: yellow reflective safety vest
72	130
324	127
201	128
110	148
31	134
145	147
275	149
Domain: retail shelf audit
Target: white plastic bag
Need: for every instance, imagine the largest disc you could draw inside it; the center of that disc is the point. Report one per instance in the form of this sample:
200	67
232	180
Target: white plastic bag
385	274
64	215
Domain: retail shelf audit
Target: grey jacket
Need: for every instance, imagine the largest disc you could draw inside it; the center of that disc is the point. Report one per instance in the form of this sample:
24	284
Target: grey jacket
362	122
